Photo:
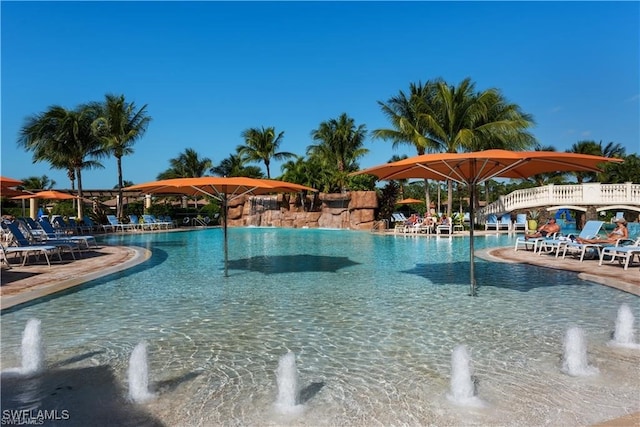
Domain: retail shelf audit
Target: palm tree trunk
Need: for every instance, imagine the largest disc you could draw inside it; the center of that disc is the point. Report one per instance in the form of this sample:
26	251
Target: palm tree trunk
427	198
449	197
79	176
119	209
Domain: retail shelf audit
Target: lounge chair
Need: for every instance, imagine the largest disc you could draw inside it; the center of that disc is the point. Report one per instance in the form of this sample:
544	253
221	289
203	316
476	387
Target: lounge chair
26	251
33	226
86	240
62	228
623	253
155	223
505	222
590	230
574	248
27	247
399	221
521	223
94	226
446	228
534	243
491	222
135	223
116	224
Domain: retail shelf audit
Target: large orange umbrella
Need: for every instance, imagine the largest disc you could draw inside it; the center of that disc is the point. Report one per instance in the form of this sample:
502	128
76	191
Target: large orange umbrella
476	167
409	201
47	195
7	186
223	189
9	182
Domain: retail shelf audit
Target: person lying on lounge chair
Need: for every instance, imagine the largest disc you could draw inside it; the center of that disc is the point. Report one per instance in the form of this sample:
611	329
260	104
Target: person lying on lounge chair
620	232
545	229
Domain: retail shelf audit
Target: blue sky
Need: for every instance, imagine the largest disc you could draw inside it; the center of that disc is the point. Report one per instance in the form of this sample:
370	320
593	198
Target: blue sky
209	70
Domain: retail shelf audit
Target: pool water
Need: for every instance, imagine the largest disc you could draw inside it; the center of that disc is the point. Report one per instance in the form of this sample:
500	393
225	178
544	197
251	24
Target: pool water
372	320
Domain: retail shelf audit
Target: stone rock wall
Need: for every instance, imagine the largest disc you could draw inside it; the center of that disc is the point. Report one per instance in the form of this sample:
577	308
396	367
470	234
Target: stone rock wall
354	210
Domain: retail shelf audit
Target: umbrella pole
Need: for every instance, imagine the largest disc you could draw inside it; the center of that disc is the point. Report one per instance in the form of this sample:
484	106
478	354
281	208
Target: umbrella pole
225	209
472	274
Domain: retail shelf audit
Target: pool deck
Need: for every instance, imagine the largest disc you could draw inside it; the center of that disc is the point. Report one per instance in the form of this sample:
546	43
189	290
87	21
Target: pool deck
19	285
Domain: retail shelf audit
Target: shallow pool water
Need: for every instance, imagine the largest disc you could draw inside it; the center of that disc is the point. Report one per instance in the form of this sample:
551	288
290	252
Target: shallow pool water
372	320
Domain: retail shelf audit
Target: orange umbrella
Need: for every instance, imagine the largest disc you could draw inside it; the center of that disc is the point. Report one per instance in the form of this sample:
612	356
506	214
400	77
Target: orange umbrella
409	201
47	195
479	166
223	189
6	186
9	182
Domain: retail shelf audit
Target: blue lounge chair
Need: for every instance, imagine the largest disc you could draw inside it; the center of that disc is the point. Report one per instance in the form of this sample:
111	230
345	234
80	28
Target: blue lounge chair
116	224
491	223
51	234
505	222
521	223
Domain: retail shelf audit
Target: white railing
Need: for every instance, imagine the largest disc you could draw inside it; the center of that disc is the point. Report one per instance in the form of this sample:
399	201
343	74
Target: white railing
592	193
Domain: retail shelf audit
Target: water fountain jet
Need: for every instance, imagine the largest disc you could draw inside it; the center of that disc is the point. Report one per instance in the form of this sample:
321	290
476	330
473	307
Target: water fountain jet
32	348
139	374
287	380
624	333
575	362
463	390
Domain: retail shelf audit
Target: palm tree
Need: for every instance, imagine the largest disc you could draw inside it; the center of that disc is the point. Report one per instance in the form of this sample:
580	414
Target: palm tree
187	165
405	112
65	139
340	142
38	183
261	145
457	118
612	149
120	125
234	165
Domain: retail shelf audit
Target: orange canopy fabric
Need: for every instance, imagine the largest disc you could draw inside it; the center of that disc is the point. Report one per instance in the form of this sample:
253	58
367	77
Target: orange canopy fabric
9	182
409	201
479	166
218	187
47	195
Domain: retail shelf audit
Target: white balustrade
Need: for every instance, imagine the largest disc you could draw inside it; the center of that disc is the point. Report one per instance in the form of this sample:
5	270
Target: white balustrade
591	193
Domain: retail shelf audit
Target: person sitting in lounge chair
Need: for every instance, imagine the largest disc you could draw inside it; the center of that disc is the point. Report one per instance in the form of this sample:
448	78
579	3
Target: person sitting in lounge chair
620	232
544	230
413	220
444	220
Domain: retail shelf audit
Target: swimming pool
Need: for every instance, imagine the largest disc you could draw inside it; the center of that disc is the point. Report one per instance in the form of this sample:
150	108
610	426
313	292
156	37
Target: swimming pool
372	320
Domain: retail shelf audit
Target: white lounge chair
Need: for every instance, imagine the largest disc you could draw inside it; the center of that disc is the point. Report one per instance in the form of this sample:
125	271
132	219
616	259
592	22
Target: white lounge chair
590	230
491	222
521	223
505	222
624	254
26	251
